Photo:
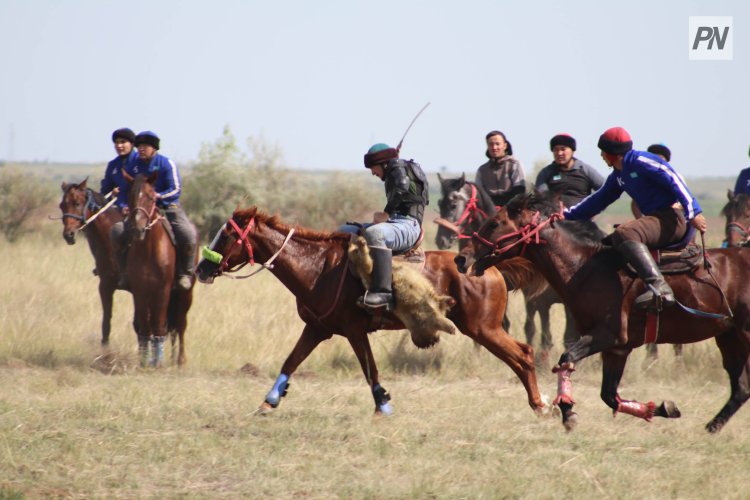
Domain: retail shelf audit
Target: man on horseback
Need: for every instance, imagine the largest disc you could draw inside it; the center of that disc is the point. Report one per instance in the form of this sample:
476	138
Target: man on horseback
399	226
168	187
660	192
123	139
742	186
502	176
567	176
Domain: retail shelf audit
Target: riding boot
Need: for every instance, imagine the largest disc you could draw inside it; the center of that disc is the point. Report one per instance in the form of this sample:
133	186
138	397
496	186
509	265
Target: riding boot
186	267
659	293
380	294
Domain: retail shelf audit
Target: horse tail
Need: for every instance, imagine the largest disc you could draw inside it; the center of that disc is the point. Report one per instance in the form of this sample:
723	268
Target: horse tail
522	274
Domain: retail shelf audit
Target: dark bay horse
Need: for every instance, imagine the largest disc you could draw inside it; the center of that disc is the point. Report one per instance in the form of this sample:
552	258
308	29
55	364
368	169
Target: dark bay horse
314	267
594	282
737	213
80	204
463	209
160	308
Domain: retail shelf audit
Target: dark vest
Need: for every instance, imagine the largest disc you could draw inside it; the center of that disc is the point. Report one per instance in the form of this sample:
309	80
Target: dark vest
406	196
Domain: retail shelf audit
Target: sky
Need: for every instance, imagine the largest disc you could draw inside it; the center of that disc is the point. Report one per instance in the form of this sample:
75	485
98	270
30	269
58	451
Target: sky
324	80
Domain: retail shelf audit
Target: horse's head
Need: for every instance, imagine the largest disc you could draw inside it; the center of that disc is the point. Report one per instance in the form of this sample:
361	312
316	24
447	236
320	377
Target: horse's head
508	232
452	203
737	213
75	199
230	249
142	203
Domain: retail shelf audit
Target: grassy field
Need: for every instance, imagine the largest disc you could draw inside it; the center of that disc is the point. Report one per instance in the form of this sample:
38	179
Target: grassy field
76	422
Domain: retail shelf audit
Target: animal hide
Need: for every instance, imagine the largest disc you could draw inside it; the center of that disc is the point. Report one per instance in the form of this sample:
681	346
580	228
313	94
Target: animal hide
418	306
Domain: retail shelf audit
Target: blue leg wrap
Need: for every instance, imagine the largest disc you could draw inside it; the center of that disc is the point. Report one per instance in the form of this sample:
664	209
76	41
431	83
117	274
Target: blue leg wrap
143	350
278	390
382	399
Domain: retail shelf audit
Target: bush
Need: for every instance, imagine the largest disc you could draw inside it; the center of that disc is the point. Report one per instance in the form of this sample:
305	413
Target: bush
20	195
224	178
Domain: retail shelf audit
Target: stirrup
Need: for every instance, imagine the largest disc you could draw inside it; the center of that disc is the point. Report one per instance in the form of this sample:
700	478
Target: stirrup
382	300
654	300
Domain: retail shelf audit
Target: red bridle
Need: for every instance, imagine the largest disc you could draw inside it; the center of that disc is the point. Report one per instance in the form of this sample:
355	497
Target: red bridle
526	235
470	213
241	239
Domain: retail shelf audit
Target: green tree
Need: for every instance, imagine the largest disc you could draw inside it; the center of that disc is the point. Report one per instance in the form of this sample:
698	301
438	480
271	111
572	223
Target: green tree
20	195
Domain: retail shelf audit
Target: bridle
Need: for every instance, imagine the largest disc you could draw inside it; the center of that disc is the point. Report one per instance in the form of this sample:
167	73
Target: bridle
470	214
93	208
152	214
243	240
525	235
736	227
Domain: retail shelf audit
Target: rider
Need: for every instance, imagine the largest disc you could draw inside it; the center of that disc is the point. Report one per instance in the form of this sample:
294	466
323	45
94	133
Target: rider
502	176
567	175
399	225
666	155
659	191
742	186
123	139
168	189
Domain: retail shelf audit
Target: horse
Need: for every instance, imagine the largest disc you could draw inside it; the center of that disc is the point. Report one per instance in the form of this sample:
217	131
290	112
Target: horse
594	282
464	206
160	308
737	213
314	266
83	210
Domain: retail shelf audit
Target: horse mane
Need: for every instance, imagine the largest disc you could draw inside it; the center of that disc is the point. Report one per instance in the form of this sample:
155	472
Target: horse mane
585	232
275	222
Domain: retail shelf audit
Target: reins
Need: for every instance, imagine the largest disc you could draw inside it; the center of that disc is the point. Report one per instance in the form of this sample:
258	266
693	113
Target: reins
242	233
526	234
90	206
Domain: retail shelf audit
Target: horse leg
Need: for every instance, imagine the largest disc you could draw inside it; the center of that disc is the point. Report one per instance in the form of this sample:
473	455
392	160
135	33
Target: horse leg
545	344
734	355
307	342
588	344
106	291
529	327
571	334
518	356
613	365
677	350
362	350
652	351
157	351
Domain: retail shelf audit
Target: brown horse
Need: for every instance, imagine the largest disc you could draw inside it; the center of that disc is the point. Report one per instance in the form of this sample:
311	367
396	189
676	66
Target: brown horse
594	282
463	209
159	308
314	267
737	213
82	211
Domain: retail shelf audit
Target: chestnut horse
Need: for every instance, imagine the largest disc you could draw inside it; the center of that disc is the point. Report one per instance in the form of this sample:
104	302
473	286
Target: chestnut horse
737	213
314	267
82	211
594	282
464	206
159	308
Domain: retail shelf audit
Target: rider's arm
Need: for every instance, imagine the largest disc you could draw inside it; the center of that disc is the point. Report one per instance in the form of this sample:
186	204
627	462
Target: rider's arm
596	201
401	183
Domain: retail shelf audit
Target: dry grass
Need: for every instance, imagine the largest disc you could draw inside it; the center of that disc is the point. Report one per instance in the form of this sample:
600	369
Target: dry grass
77	422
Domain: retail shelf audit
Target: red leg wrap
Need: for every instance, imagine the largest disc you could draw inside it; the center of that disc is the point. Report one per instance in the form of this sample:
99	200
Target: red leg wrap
641	410
564	384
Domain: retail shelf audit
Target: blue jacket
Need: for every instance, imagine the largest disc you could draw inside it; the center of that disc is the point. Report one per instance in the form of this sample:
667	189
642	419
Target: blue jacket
649	180
113	177
743	182
168	182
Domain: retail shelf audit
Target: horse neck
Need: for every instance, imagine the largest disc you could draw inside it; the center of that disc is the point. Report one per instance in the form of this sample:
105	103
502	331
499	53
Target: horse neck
302	261
559	258
98	235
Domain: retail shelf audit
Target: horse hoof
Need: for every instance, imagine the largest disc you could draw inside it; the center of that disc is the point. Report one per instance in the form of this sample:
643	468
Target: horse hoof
668	409
265	409
384	410
571	421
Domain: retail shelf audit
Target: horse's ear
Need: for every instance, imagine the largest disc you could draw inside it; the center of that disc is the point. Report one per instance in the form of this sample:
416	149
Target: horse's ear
730	194
152	178
127	176
82	185
462	181
64	186
440	178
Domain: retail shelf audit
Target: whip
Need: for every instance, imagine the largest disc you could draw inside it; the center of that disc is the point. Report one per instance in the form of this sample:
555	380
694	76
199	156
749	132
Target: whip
400	143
